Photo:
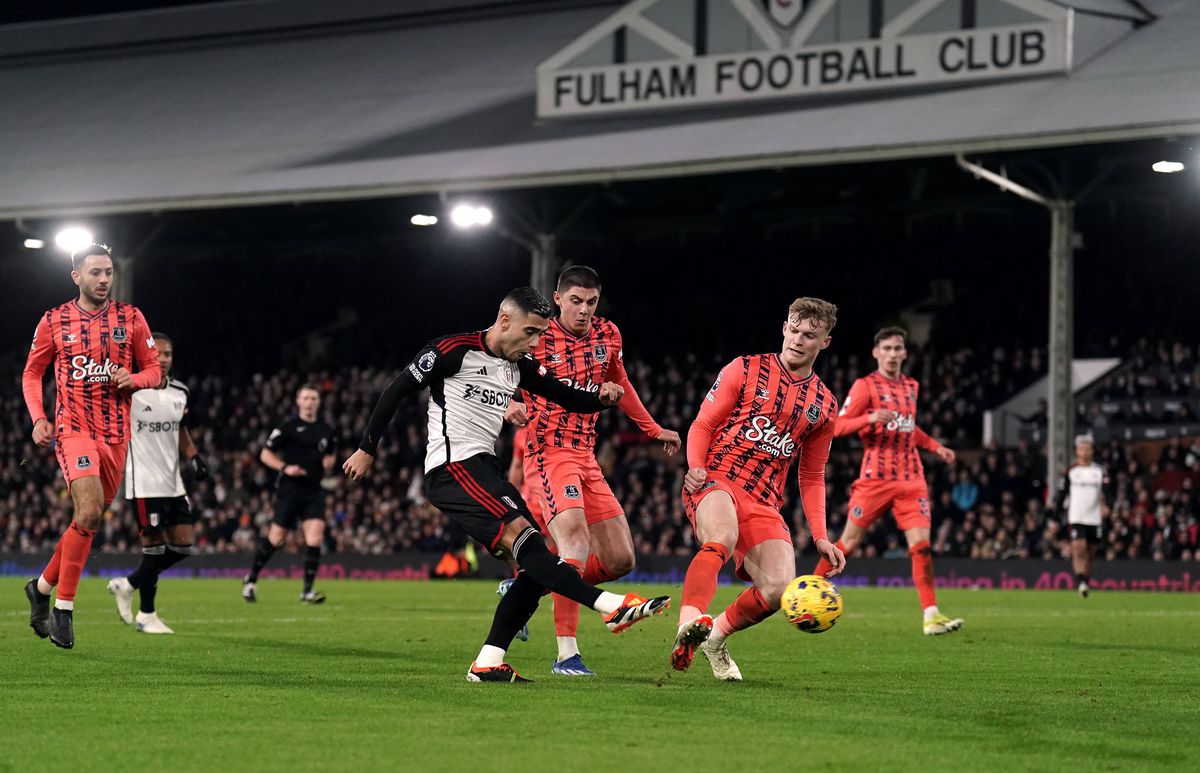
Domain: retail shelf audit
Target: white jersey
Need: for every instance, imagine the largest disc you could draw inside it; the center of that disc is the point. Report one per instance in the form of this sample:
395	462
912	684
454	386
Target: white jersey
1083	487
469	390
152	462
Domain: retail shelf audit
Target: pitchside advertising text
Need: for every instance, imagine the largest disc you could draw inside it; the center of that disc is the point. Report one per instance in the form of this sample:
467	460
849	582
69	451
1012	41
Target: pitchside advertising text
919	60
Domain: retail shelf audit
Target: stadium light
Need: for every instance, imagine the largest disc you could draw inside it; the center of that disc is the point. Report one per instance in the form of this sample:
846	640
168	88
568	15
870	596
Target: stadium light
34	244
423	220
470	216
73	238
1168	167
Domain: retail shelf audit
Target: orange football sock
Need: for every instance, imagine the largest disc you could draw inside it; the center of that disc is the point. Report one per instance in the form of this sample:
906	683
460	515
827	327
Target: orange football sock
595	572
749	608
823	566
50	573
76	544
922	573
700	582
566	612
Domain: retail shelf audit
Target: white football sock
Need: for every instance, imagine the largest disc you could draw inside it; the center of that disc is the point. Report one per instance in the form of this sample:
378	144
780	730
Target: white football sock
567	647
44	587
608	603
67	605
931	612
489	657
720	630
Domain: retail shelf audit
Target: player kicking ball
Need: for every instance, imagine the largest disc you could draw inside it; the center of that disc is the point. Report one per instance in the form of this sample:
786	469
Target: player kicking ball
763	411
471	379
882	409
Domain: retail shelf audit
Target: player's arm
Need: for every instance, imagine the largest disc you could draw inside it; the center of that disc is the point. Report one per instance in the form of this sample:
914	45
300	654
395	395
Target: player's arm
814	455
925	442
271	455
633	407
535	379
187	447
714	411
41	354
145	356
854	415
1063	497
1106	495
430	364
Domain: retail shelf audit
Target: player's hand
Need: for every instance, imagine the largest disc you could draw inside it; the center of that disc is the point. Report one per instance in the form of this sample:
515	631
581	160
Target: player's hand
516	414
694	479
670	440
830	553
946	454
610	393
882	416
43	432
123	379
198	467
294	471
358	464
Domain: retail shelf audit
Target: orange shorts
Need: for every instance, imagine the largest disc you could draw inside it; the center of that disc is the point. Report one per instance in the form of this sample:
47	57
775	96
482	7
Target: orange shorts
80	456
757	523
565	478
908	499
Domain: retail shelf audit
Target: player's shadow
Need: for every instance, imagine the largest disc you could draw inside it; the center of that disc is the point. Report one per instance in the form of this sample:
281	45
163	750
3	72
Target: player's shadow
306	648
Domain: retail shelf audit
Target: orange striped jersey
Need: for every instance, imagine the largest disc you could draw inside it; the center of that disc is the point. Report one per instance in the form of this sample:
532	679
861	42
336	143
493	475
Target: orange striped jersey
889	450
755	420
582	362
87	348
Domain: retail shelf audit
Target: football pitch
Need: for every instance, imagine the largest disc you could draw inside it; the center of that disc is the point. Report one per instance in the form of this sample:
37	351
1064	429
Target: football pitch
374	680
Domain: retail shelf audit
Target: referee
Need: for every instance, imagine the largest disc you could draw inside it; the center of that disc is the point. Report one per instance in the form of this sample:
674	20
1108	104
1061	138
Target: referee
1083	500
301	451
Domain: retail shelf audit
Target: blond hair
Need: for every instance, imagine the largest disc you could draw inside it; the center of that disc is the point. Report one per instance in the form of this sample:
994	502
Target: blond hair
819	311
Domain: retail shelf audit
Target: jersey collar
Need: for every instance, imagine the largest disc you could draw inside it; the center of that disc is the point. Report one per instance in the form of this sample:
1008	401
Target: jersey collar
567	332
788	374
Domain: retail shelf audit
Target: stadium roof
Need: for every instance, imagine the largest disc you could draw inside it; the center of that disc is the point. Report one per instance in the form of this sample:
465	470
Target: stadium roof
269	101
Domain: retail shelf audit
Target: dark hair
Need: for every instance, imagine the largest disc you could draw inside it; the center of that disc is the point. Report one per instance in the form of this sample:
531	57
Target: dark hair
578	276
890	332
530	301
162	337
308	385
82	254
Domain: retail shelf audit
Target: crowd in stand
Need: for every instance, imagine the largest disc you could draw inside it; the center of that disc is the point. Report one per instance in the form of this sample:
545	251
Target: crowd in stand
989	504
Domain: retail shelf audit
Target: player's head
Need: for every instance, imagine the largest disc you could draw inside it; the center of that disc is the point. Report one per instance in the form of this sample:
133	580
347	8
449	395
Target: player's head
92	272
576	296
1085	449
806	331
308	401
890	350
166	353
524	316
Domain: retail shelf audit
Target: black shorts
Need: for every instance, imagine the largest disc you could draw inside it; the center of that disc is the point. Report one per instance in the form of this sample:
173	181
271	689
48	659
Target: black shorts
293	504
476	495
1093	535
159	513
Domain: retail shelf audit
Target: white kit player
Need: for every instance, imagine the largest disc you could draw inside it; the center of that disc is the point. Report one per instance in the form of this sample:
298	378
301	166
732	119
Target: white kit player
1082	496
154	489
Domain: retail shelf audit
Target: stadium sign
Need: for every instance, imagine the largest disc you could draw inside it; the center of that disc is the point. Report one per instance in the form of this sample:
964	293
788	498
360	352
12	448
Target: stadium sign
654	54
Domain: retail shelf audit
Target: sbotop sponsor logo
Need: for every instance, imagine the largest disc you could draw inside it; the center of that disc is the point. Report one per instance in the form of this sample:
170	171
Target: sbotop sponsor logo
761	431
84	368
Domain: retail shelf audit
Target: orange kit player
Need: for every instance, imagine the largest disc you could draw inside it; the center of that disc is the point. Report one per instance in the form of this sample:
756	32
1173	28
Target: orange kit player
93	342
578	509
882	409
763	411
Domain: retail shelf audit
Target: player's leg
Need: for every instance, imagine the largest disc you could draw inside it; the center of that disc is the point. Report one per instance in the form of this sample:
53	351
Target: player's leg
313	526
569	530
144	578
88	496
1079	560
284	520
919	550
714	518
771	565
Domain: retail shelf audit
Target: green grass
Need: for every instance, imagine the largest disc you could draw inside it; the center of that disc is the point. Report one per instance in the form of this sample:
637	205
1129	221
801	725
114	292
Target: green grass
373	680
